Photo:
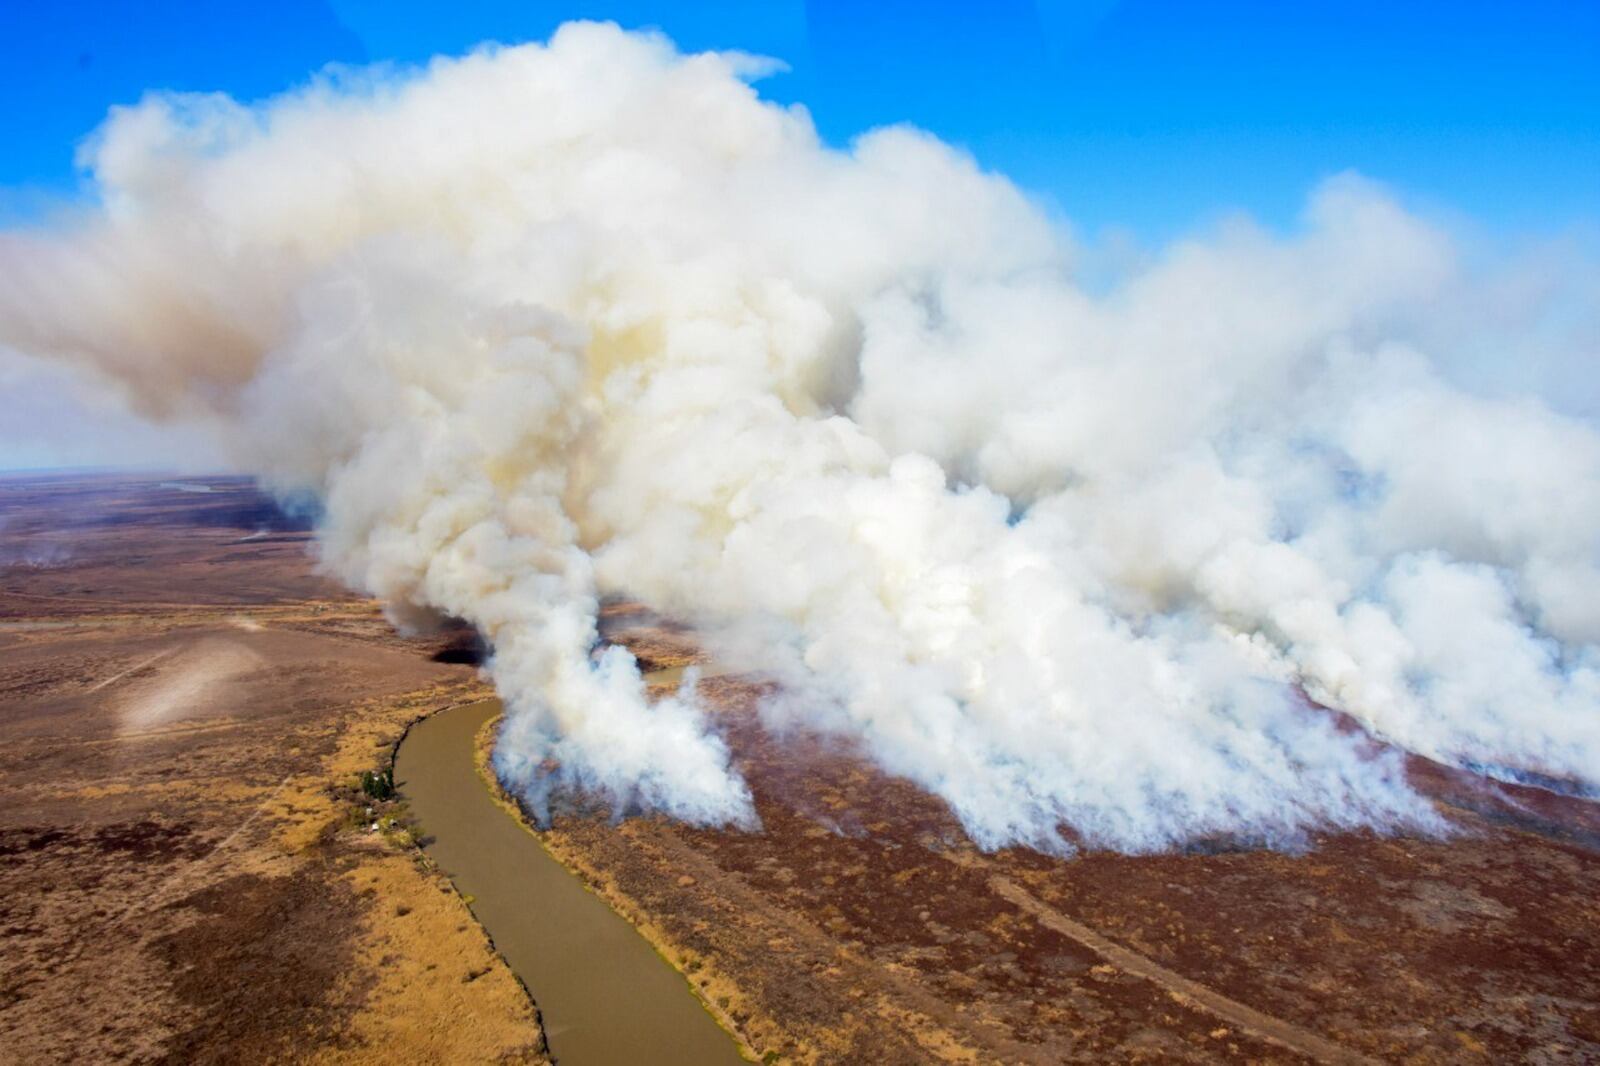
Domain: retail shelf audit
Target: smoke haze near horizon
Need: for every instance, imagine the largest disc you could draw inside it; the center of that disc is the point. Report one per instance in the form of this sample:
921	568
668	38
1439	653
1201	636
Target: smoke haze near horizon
547	323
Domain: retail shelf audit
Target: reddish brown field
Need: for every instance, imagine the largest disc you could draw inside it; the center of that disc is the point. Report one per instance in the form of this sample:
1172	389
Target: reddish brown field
183	703
860	926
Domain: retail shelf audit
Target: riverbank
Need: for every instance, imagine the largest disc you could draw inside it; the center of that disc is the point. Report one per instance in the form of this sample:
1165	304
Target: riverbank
605	994
714	990
438	988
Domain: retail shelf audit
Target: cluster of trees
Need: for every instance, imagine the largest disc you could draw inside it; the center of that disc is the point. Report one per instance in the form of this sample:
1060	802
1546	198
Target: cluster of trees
378	784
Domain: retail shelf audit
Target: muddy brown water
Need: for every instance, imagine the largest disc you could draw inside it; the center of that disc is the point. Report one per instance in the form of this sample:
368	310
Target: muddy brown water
606	996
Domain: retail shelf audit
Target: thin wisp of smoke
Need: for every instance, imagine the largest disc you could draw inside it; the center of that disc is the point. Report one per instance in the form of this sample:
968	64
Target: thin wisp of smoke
541	324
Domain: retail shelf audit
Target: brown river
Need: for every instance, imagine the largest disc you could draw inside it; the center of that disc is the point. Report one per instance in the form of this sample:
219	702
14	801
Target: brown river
606	996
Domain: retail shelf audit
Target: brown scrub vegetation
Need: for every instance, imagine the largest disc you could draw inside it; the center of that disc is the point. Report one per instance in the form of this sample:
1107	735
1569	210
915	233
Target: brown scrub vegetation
186	709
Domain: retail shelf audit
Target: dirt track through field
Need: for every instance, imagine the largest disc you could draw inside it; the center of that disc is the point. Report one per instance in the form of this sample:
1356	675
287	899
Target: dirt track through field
189	872
134	669
1191	993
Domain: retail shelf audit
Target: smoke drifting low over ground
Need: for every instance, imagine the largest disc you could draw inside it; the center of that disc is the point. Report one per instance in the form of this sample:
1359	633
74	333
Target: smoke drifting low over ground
543	323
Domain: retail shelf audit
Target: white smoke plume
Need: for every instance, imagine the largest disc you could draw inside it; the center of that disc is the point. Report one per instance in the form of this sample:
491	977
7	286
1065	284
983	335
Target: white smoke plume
545	323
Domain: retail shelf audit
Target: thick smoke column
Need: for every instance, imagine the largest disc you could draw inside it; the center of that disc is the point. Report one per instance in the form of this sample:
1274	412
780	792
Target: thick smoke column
549	322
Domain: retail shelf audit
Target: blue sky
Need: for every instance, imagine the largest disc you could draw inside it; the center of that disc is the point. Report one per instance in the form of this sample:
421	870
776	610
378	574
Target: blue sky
1149	115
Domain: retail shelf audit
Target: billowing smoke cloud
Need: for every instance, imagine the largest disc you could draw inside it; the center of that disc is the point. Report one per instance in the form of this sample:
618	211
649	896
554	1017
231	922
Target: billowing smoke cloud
545	323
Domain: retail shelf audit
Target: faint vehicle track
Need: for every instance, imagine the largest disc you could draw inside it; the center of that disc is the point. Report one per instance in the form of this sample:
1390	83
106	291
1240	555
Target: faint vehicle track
163	892
134	669
1190	993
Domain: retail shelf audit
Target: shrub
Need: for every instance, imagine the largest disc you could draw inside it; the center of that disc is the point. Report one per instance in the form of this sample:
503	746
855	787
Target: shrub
379	785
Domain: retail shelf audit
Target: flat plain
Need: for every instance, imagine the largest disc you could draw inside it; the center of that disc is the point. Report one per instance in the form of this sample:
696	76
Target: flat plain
187	872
